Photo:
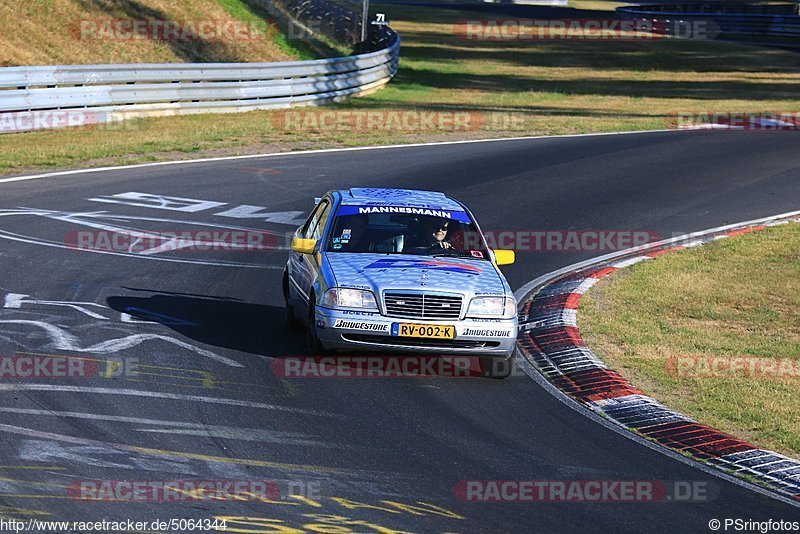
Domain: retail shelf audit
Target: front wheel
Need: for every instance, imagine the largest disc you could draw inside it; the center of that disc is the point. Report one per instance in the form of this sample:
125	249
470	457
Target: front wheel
291	319
496	367
312	340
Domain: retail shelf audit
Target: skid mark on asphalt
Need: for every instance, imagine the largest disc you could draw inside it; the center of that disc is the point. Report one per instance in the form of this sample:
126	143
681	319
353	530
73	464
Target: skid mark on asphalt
180	427
261	171
7	512
166	453
24	482
242	434
37	467
160	395
114	367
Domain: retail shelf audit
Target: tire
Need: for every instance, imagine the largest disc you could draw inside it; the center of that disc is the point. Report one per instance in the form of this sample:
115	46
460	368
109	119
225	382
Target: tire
312	341
496	368
291	319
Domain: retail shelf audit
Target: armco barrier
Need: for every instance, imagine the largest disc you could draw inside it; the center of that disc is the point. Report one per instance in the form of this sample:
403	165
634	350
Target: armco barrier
107	93
777	24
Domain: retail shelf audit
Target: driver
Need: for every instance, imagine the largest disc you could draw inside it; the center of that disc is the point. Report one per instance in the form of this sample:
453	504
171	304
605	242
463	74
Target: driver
437	230
428	237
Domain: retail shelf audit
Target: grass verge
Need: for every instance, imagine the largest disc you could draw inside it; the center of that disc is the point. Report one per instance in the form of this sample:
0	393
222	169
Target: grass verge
61	32
713	332
512	87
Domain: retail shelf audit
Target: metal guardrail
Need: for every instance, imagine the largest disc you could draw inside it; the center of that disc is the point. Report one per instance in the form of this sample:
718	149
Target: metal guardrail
774	24
94	94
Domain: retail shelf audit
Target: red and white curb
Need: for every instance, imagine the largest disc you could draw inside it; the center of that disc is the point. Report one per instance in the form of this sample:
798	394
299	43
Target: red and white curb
549	339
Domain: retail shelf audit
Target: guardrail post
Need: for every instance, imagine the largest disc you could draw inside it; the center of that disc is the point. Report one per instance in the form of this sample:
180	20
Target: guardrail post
364	19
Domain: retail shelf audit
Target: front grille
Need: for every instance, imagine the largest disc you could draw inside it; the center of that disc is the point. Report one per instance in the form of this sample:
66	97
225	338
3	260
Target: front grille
422	306
390	341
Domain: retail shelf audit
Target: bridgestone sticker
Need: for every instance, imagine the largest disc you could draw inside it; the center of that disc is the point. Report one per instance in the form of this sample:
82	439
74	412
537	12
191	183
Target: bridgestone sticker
485	333
359	325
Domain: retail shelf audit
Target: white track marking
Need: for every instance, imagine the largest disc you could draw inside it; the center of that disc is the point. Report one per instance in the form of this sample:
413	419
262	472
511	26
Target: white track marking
37	450
169	243
148	200
245	211
181	427
63	340
100	417
16	300
34	450
89	219
324	151
25	239
79	217
157	395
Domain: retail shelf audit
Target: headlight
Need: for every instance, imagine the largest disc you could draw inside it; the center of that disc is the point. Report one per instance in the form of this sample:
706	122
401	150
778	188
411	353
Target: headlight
495	307
341	297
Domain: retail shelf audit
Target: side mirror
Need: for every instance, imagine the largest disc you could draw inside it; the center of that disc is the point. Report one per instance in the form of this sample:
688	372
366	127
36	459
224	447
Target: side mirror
303	246
504	257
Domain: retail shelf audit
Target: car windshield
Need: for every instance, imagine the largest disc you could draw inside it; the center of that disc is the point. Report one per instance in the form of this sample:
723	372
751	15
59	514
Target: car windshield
426	232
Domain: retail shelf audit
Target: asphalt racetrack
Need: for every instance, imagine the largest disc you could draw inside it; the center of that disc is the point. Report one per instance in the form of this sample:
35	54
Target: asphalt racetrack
203	331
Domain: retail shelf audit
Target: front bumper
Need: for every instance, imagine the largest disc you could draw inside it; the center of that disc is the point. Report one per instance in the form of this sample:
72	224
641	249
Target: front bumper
339	329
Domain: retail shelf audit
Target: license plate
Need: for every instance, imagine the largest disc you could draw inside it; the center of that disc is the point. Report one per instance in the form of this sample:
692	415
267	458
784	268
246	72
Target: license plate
433	331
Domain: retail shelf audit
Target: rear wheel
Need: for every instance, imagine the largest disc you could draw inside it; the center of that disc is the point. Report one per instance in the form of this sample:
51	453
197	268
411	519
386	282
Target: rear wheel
496	367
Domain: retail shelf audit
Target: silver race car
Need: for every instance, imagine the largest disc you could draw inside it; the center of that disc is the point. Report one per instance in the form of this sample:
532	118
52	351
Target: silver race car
400	270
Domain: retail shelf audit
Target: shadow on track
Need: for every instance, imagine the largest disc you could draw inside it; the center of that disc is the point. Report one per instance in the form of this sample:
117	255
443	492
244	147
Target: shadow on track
222	322
260	329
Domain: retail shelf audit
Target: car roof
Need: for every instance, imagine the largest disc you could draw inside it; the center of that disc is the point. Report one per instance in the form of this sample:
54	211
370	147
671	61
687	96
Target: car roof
375	196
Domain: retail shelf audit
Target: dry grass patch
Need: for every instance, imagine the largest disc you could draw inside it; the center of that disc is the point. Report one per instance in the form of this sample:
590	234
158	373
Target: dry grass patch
48	32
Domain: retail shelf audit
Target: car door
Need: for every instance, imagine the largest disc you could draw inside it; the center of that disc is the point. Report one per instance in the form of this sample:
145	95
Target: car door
302	267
